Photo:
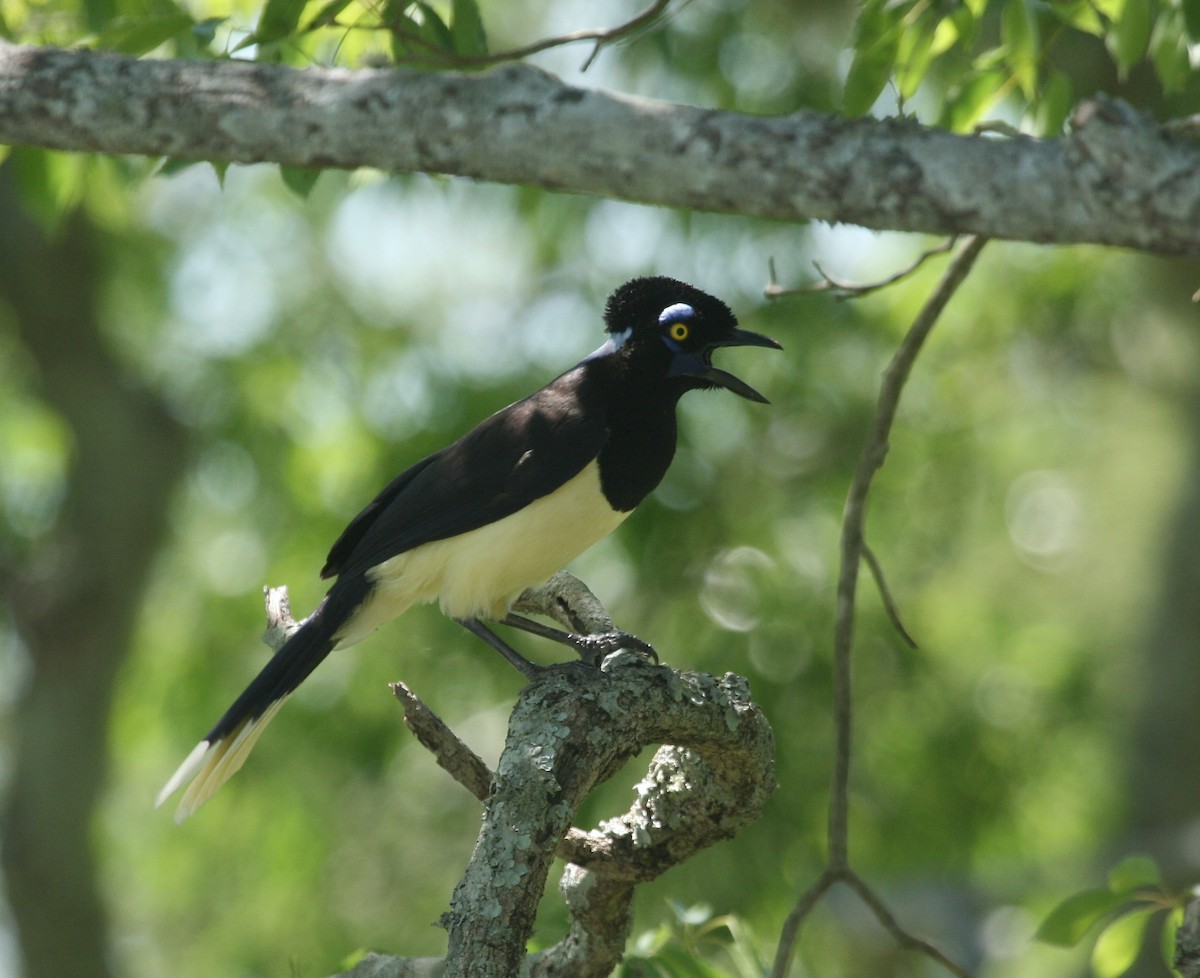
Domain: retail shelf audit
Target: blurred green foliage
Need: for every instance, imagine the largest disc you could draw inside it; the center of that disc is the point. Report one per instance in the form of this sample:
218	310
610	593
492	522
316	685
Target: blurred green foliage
318	335
1118	915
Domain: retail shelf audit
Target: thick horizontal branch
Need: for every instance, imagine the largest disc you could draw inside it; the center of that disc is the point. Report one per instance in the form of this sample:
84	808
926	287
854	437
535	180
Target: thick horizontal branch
1117	179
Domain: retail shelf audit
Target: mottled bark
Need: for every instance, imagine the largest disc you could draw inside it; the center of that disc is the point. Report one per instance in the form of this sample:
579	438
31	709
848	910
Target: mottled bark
572	728
1116	179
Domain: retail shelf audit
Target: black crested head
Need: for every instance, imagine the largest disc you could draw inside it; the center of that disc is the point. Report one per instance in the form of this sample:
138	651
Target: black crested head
639	302
673	327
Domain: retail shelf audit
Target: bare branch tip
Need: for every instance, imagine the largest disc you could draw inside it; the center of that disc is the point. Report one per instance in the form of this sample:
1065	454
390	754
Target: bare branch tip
280	622
885	594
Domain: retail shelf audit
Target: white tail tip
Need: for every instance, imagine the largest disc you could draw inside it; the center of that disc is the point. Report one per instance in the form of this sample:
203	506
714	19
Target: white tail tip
214	763
184	772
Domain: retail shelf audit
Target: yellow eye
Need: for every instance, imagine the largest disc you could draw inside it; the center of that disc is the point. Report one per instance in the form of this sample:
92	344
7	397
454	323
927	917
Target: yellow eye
678	332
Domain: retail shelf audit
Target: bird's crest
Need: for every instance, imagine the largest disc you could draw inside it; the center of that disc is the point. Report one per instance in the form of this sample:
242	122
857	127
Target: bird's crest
649	303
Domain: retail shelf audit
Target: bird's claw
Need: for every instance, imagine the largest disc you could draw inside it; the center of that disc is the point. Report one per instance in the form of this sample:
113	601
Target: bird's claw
593	649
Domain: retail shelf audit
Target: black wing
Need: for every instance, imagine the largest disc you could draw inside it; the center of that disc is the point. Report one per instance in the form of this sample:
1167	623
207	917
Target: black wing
517	455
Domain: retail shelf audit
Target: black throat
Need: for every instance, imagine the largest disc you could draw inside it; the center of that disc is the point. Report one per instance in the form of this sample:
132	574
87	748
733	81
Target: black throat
639	406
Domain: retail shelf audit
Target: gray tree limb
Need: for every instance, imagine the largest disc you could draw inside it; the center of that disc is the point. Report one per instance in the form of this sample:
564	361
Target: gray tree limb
1187	942
1116	179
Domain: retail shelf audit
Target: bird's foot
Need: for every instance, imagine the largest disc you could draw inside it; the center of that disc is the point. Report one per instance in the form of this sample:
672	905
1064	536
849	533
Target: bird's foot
594	649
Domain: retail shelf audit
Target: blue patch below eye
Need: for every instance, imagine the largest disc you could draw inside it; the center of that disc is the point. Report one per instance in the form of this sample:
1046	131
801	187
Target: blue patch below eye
673	314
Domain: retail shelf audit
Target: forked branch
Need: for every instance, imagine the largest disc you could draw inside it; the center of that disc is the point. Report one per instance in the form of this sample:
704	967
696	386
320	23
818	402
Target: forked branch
853	553
844	289
425	53
573	728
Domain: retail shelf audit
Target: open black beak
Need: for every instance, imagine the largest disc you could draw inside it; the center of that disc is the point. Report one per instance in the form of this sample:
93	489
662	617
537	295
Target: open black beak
698	366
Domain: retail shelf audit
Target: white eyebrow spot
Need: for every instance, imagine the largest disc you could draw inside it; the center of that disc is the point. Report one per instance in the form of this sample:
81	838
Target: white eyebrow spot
676	312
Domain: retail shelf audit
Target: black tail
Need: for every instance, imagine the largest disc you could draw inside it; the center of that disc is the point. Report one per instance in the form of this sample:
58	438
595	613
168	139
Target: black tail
225	748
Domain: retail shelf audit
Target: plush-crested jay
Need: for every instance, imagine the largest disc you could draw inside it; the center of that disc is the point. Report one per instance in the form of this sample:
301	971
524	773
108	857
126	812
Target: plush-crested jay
504	507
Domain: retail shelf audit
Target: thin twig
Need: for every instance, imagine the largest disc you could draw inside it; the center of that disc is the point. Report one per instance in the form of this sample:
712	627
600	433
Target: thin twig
795	920
998	127
830	878
901	936
843	289
889	605
451	754
873	455
852	552
430	54
280	623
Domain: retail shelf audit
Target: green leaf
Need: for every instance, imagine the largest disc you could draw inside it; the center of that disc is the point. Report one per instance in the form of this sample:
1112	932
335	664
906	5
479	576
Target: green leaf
973	97
1169	51
968	27
876	45
99	13
300	179
638	967
137	35
1019	31
50	183
1067	923
945	36
869	73
466	29
433	29
418	33
1080	14
678	963
397	19
327	15
278	20
353	958
394	17
1118	945
1134	873
1130	36
957	30
1054	104
1168	936
1191	19
915	53
877	36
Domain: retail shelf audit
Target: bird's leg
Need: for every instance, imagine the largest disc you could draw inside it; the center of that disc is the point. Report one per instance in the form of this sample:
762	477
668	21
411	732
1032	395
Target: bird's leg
590	648
530	670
